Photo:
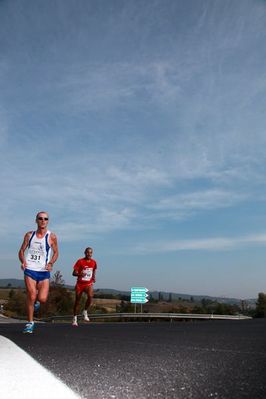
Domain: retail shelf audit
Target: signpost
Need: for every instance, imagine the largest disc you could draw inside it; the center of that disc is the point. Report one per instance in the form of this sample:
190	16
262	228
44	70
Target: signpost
139	295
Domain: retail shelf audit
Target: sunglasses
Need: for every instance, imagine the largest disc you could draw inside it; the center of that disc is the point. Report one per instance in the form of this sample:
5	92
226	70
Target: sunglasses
39	218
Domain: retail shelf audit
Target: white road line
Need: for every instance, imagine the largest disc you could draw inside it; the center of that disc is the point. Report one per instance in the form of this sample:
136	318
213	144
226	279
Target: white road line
23	377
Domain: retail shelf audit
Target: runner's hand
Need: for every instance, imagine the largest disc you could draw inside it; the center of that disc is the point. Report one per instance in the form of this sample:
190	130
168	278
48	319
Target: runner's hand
49	267
23	265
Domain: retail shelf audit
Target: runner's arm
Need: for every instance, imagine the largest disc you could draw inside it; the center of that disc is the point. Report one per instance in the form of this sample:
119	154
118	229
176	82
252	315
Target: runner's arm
54	257
94	274
76	269
23	249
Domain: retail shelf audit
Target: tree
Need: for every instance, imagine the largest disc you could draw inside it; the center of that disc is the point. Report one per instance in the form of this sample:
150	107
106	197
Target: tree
57	279
261	305
60	300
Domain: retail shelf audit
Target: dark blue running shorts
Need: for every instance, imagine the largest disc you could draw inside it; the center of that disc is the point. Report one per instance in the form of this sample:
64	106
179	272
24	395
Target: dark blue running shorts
37	276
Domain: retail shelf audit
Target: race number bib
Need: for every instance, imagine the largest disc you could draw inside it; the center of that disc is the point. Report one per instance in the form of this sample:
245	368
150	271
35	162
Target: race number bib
87	274
36	256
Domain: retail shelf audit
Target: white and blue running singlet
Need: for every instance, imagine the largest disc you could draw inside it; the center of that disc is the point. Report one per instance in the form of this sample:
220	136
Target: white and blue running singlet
39	252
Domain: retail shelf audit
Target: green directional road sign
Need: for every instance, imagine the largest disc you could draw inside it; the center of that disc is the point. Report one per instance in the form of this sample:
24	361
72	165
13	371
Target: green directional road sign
139	289
139	295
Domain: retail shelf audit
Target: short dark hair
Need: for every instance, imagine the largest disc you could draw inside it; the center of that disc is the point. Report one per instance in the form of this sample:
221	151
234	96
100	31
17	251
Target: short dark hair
86	249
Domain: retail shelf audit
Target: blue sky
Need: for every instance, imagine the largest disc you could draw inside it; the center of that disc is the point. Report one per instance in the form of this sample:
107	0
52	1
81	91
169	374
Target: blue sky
140	127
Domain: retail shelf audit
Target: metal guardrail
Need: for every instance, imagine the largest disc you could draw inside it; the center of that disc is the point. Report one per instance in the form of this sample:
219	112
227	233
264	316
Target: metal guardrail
149	316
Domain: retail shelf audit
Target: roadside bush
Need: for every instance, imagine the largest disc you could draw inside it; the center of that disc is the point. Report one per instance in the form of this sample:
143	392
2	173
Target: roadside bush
16	305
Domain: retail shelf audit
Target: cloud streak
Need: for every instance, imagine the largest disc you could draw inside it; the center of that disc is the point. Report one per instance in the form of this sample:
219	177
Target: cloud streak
204	244
200	200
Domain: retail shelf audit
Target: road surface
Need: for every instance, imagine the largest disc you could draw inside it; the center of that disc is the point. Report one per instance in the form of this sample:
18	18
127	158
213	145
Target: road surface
199	359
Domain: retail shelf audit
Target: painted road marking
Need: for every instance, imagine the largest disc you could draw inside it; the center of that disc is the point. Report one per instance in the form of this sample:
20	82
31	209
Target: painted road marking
23	377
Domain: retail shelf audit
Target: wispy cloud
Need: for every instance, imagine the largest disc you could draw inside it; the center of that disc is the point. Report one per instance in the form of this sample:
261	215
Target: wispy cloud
200	200
110	197
94	224
104	87
204	244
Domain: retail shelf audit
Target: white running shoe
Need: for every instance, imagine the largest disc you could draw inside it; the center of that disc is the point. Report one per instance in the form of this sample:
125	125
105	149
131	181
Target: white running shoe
85	315
29	328
75	321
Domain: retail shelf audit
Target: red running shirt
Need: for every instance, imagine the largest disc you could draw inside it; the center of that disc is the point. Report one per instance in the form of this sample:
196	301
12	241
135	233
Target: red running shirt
87	268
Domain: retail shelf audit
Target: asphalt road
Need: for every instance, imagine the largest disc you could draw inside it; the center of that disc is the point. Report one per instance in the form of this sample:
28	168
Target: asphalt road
199	359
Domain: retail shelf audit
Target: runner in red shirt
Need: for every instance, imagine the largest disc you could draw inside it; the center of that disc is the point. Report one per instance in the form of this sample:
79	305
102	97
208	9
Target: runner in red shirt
84	270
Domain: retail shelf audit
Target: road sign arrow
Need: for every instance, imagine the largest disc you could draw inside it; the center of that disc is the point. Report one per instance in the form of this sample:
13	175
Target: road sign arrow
139	300
139	289
140	294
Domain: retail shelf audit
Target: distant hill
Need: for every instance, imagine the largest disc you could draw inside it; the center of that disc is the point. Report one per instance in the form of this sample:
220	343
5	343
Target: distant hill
12	283
16	283
164	296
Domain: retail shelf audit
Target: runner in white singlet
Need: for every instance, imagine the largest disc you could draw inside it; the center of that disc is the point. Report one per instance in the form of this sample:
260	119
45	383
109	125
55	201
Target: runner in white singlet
42	252
39	252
